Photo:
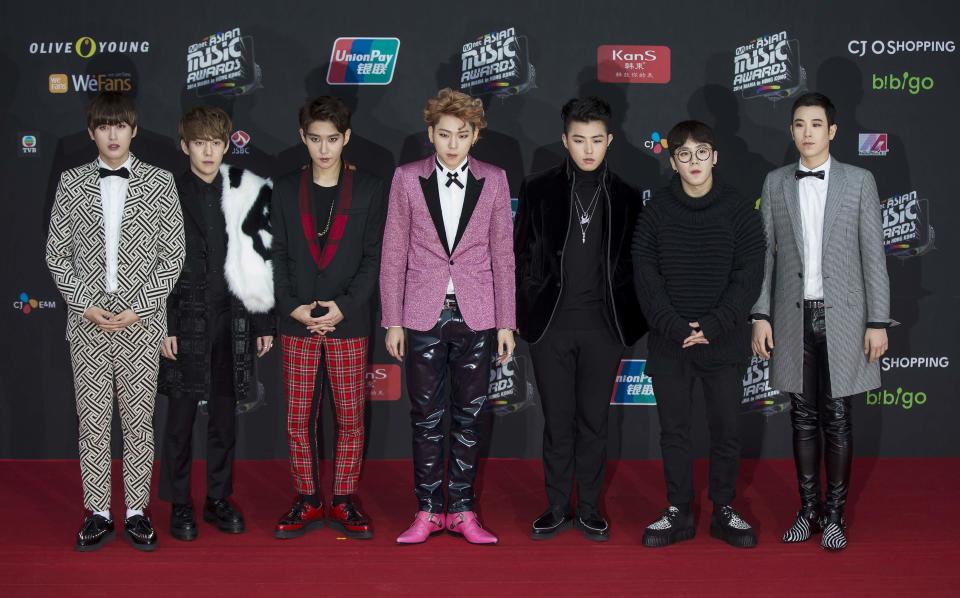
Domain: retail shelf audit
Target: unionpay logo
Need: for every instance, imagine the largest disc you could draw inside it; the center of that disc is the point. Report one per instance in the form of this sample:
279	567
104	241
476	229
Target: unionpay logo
363	60
656	143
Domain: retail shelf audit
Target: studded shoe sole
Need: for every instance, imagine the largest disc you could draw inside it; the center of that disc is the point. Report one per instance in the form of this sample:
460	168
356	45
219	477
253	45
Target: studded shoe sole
107	538
552	532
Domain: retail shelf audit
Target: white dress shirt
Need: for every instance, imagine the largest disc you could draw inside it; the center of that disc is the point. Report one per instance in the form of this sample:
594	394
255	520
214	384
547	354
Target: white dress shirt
451	203
113	194
813	200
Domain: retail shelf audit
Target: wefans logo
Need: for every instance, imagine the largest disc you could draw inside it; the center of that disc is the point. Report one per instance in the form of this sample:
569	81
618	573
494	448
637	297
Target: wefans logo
61	83
87	46
633	64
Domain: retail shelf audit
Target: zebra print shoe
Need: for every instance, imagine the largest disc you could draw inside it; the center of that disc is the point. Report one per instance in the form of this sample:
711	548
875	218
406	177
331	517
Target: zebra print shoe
834	539
806	524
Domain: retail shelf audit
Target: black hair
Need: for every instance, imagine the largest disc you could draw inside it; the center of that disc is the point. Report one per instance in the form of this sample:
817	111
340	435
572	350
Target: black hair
814	98
689	129
586	110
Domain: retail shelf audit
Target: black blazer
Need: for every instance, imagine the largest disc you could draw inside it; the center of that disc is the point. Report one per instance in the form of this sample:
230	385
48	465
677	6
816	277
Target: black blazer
543	215
350	279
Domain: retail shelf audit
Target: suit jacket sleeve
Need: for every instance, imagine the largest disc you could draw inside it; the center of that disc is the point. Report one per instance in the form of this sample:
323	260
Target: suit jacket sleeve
173	311
649	283
521	236
171	251
393	260
762	306
286	302
364	282
59	256
876	282
745	278
501	249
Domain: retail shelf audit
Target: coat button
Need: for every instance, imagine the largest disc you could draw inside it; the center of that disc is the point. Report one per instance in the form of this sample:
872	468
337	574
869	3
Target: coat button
451	262
559	252
800	274
798	305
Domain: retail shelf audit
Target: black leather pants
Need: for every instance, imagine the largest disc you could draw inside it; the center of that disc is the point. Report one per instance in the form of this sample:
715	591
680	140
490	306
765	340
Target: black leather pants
467	354
815	410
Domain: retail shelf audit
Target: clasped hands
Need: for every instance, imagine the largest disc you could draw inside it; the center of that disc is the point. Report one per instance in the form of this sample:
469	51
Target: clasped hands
323	324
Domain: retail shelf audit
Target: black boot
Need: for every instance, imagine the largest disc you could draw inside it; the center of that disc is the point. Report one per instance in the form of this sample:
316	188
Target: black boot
183	522
806	524
222	514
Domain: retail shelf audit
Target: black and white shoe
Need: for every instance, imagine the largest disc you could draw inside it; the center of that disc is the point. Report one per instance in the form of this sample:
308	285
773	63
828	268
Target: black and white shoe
729	526
806	524
95	533
834	537
553	521
593	526
140	533
672	526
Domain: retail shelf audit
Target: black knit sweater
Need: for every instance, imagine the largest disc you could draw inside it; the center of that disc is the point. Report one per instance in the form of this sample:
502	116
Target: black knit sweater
698	260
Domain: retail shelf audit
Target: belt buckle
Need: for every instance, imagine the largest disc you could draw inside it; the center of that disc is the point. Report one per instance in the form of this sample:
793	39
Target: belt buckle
449	303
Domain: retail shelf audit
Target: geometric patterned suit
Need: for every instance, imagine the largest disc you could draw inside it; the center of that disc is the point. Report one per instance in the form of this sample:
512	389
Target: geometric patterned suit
123	363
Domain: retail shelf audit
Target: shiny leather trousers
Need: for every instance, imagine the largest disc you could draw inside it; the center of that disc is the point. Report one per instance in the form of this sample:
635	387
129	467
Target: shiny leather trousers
816	411
449	346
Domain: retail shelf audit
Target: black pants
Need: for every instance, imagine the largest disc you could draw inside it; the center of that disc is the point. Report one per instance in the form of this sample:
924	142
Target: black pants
467	354
815	410
177	451
575	372
723	391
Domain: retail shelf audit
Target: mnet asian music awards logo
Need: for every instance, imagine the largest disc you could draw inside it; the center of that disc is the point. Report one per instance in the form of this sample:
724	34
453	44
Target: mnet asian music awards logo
239	141
633	64
874	144
363	60
497	63
758	397
657	143
768	67
223	63
27	304
27	146
633	386
906	225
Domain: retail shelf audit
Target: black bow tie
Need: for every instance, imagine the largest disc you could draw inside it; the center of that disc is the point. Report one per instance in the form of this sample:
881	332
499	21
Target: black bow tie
120	172
453	179
804	173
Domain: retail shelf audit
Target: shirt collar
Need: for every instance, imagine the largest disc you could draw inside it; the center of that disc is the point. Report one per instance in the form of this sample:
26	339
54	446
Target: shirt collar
127	164
825	167
460	169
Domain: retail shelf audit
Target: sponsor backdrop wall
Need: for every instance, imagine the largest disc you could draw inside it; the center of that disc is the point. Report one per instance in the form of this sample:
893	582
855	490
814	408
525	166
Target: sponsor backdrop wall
891	68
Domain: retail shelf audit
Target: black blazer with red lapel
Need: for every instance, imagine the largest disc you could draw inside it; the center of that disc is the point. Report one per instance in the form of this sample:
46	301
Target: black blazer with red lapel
345	271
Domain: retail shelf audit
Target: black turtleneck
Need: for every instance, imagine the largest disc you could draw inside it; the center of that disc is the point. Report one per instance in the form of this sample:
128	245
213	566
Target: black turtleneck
582	303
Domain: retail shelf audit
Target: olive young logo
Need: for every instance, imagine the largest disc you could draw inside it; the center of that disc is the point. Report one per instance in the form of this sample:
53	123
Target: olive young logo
511	388
497	63
223	63
633	386
912	84
906	225
758	397
768	67
860	47
363	60
86	47
904	399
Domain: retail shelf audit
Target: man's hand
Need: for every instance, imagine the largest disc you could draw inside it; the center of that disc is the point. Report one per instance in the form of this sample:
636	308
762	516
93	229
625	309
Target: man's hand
333	316
302	313
505	345
118	322
101	317
395	342
696	337
169	348
264	344
762	338
875	343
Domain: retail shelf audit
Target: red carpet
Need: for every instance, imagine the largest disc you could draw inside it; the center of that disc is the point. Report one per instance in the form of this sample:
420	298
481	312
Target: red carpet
903	540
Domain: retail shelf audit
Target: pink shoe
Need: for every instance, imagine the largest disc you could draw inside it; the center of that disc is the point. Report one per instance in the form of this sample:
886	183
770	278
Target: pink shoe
424	524
466	523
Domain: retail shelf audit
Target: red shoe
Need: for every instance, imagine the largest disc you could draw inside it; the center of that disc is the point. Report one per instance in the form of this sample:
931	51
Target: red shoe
349	519
299	520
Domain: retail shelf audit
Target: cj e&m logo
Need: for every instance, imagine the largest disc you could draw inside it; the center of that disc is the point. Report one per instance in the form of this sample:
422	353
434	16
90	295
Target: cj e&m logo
82	83
26	304
633	64
86	46
240	140
902	82
879	47
223	63
363	60
27	145
905	399
633	386
873	144
383	382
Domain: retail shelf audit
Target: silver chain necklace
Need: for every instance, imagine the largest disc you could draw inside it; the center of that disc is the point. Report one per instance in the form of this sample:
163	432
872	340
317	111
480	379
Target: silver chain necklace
585	216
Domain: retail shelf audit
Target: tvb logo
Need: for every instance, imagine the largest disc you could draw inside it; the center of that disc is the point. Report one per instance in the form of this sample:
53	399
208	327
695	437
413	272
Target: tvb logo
902	398
912	84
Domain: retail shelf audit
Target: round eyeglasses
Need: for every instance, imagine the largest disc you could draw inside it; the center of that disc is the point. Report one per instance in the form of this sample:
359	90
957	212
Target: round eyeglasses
684	155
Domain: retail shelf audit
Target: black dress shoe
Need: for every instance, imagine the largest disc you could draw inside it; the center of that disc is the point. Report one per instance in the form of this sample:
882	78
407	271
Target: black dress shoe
553	521
95	533
140	533
222	514
183	523
593	526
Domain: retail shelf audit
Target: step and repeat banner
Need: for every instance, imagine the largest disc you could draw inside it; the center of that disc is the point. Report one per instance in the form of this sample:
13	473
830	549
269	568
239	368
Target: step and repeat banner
891	68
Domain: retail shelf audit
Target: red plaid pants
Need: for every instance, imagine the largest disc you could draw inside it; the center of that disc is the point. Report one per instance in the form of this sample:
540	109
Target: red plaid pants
346	364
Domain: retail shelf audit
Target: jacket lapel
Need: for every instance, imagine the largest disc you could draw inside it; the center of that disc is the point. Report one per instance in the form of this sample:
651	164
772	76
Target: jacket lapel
791	197
306	214
835	187
431	195
470	199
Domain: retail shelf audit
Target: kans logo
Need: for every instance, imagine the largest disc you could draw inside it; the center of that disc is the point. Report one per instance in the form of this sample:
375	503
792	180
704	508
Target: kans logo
769	67
87	83
28	145
223	63
511	387
859	47
633	64
383	382
874	144
27	304
656	143
906	225
758	397
363	60
903	363
86	47
497	63
633	386
240	140
900	398
912	84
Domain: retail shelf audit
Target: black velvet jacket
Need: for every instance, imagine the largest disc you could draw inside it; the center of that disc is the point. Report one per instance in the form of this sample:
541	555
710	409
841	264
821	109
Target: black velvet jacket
540	230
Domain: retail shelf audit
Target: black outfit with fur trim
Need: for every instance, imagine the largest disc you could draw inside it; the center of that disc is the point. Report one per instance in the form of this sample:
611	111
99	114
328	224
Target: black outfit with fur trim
217	310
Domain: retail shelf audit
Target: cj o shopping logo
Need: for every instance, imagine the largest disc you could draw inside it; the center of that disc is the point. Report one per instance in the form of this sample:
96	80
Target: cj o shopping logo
240	140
